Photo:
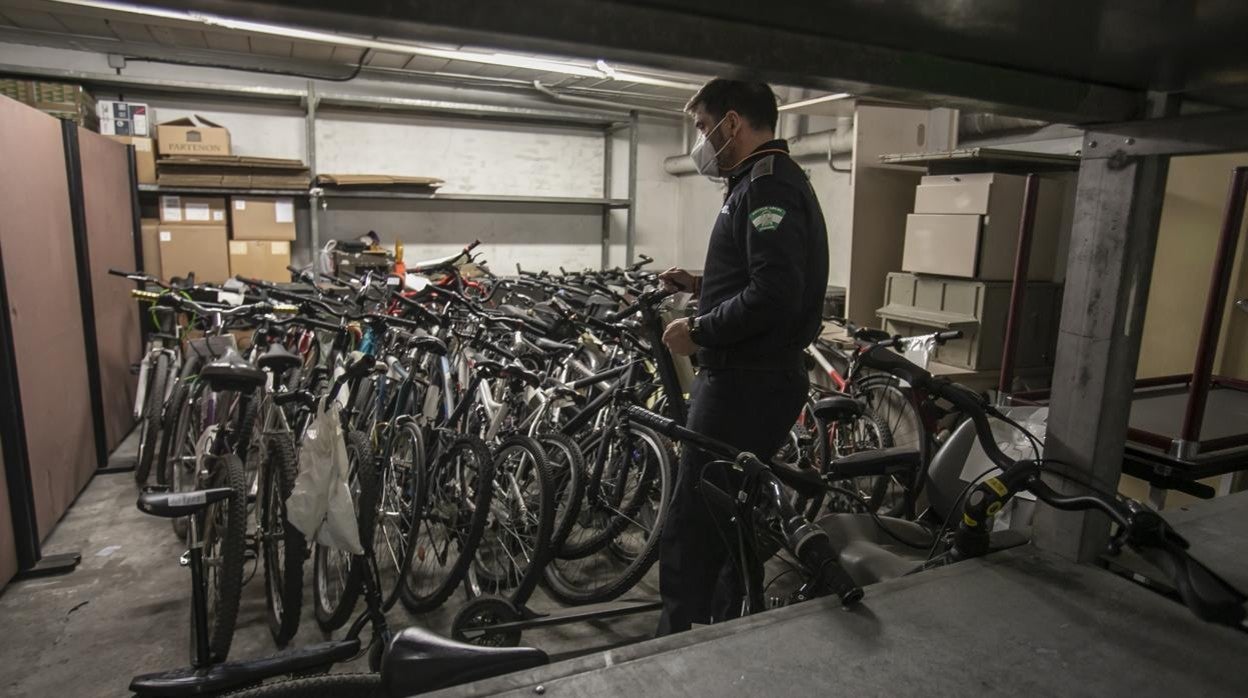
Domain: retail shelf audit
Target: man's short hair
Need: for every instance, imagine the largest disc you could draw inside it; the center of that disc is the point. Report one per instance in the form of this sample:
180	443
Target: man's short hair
754	101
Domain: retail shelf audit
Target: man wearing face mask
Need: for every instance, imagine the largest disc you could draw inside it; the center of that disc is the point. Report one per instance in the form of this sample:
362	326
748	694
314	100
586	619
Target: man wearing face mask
759	305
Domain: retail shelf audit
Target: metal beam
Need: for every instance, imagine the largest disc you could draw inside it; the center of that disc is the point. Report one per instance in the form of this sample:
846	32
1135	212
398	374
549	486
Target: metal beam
1109	268
608	141
630	233
1197	134
676	38
314	198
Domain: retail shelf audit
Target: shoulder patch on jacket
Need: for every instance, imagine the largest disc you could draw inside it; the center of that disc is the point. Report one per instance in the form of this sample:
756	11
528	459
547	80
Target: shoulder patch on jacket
767	218
763	168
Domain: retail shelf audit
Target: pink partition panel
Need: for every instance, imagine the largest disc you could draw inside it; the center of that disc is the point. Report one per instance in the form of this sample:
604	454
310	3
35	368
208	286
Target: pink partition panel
41	275
8	547
110	241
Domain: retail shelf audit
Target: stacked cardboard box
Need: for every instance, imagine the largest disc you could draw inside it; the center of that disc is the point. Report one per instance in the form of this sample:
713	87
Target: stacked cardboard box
144	156
192	236
232	171
958	263
261	230
124	118
60	99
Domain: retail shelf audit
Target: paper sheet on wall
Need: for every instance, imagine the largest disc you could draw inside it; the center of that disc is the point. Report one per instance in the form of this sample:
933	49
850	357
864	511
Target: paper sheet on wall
197	212
238	247
284	210
171	208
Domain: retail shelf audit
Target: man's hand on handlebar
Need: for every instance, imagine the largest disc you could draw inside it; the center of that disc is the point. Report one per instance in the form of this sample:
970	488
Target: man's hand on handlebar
677	279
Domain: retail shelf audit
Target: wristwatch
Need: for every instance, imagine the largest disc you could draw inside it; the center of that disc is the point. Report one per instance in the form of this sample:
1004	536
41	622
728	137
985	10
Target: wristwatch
695	330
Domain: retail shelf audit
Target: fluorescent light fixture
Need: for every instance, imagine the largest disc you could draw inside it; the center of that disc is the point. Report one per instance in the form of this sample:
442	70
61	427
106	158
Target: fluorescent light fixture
815	100
601	70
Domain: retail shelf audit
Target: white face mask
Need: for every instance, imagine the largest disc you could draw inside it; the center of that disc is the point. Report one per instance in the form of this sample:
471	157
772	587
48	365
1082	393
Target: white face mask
704	155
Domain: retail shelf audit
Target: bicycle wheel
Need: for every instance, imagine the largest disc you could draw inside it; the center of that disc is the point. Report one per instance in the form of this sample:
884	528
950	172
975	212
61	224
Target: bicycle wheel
599	521
336	578
324	686
448	524
567	470
516	543
170	434
884	494
894	404
150	422
284	545
400	490
646	476
224	546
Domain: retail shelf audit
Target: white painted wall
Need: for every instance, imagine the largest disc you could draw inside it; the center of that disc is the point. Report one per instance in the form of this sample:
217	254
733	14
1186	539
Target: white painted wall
701	199
472	156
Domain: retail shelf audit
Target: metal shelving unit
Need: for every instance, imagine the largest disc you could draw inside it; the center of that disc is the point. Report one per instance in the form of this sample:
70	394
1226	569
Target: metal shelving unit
309	99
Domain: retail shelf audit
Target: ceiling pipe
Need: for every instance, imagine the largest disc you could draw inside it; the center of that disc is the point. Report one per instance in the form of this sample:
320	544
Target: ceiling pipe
606	104
841	141
823	143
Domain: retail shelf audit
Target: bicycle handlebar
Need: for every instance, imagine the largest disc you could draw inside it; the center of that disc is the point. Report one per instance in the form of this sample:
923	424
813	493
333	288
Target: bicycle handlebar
180	302
808	541
650	298
1208	596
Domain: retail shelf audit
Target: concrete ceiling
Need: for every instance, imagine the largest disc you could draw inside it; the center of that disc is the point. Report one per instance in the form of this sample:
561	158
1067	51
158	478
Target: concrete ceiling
138	36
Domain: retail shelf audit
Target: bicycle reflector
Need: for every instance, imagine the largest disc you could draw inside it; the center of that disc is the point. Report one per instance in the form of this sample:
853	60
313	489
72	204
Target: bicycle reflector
145	295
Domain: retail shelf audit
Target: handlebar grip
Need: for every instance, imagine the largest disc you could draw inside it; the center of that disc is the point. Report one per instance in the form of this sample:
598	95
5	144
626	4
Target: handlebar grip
118	272
946	336
285	309
472	245
151	296
814	549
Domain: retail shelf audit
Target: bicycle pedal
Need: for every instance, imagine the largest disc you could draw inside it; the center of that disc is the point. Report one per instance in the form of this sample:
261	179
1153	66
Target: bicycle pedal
185	560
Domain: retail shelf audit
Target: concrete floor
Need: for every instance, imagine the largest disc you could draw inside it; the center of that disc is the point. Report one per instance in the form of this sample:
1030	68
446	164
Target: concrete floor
125	610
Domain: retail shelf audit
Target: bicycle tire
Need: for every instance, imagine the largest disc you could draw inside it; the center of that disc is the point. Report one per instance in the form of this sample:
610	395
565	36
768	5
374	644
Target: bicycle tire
567	468
233	543
153	409
331	613
466	505
516	542
322	686
873	488
283	573
169	430
583	546
401	485
657	477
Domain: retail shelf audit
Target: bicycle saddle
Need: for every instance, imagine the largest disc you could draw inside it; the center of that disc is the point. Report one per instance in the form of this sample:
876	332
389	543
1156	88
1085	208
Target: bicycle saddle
418	661
552	347
174	505
232	372
428	343
279	359
837	408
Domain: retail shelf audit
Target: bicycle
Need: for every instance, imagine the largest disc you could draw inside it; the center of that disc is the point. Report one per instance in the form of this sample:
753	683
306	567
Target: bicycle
223	397
970	523
158	371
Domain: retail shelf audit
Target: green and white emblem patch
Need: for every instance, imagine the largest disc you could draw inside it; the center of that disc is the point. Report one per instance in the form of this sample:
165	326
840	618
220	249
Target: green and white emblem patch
767	218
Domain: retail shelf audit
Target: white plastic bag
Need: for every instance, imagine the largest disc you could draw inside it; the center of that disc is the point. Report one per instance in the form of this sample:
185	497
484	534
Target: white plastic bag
320	505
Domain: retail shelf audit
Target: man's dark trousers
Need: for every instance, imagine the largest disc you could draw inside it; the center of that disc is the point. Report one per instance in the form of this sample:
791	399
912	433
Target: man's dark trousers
752	409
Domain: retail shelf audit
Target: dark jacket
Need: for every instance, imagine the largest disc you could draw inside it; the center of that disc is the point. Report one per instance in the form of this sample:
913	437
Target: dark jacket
766	270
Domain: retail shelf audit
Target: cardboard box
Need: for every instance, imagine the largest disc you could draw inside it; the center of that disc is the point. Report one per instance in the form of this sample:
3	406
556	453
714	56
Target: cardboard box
124	118
192	136
262	218
60	99
260	259
194	248
144	156
193	210
947	244
149	229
